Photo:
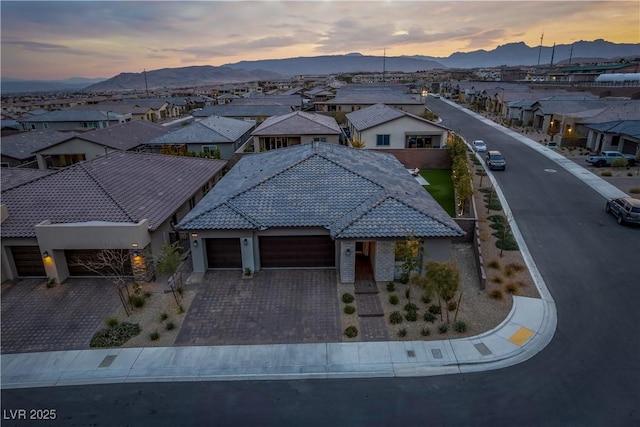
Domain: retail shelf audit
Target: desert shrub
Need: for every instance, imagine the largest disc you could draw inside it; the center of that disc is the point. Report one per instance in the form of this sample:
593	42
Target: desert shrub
511	288
402	332
634	190
512	268
411	316
349	309
460	326
180	309
137	300
393	299
163	317
452	305
351	332
391	287
170	326
407	293
429	317
621	162
494	263
347	298
410	307
395	318
404	278
111	322
629	173
496	294
425	298
605	173
114	336
496	279
425	332
443	328
154	336
180	290
434	309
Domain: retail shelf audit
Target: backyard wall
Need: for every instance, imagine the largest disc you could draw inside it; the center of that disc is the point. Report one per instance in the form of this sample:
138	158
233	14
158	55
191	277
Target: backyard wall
422	158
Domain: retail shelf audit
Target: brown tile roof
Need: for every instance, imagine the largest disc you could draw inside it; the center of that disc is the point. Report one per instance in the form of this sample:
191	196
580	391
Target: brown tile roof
119	187
126	136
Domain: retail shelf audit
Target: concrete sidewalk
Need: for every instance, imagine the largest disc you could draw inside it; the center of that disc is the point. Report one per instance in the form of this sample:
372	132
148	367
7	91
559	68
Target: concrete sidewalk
527	330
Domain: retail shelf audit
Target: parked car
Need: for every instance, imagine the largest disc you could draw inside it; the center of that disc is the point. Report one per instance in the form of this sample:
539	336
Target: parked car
479	146
625	209
495	160
607	157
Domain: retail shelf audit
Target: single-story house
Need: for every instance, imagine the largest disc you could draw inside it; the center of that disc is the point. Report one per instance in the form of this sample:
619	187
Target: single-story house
381	126
356	97
316	205
128	136
21	148
204	137
295	128
122	201
620	135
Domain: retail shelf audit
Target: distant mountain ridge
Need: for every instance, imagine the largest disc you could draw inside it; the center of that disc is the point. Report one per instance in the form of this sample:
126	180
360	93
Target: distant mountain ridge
72	84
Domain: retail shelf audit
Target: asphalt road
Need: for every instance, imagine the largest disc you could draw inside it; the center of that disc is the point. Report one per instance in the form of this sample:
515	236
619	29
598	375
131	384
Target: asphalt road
587	376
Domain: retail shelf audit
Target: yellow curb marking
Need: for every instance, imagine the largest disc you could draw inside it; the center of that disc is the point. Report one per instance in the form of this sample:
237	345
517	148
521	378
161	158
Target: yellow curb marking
521	336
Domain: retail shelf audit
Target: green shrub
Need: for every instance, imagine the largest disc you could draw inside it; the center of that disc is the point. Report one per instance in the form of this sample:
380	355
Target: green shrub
425	298
434	309
395	318
180	290
351	332
407	293
180	309
347	298
137	300
452	305
410	307
620	162
404	278
496	294
443	328
349	309
393	299
163	317
429	317
402	332
170	326
154	336
411	316
460	326
391	287
111	322
425	332
114	336
605	173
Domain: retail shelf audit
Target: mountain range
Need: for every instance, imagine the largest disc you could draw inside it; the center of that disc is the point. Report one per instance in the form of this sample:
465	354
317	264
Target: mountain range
512	54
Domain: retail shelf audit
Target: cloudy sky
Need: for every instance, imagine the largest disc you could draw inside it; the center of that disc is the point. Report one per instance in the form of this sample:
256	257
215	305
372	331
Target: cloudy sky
56	39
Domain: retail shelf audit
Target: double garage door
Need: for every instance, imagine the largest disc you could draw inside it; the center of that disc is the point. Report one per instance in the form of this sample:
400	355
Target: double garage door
275	252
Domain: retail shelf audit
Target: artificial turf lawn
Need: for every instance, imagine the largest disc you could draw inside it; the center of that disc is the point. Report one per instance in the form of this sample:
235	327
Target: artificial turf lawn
441	188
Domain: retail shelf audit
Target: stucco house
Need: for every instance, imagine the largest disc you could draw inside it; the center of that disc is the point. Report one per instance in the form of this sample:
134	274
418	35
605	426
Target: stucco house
295	128
21	148
122	201
72	120
316	205
214	133
356	97
129	136
381	126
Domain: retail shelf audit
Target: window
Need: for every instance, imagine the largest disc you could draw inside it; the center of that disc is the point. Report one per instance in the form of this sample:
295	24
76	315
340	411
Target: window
382	140
319	139
209	149
45	125
192	202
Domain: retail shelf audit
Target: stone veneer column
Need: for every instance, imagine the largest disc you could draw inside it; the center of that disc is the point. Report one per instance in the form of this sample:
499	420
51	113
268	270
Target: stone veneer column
385	260
144	269
347	262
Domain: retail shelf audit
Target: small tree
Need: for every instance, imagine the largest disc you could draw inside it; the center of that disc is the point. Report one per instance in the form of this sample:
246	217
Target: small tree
169	263
444	278
356	143
112	264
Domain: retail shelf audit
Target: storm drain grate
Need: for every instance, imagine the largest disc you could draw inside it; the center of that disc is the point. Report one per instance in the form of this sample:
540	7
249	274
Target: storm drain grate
437	353
483	349
411	353
107	361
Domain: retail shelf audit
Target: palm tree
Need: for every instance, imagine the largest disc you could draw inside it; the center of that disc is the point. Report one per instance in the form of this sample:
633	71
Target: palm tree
356	143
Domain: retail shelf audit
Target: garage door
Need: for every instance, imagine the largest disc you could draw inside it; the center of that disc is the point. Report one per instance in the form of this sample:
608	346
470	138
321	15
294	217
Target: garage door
224	253
76	270
297	251
28	261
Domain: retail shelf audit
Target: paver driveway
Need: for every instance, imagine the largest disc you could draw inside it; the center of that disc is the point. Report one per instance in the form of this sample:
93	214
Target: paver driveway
276	307
65	317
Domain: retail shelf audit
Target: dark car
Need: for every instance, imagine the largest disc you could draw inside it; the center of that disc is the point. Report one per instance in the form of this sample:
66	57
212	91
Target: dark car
495	160
625	209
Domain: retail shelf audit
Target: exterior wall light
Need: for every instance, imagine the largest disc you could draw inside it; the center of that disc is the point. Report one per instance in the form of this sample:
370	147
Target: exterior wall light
348	252
134	245
195	243
45	254
194	234
135	253
245	241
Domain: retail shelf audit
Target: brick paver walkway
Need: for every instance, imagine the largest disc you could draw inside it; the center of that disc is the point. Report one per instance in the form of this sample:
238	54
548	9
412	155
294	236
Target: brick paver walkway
65	317
275	307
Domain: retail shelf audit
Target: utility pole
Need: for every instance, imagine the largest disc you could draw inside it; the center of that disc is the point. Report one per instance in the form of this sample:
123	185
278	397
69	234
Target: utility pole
553	52
145	82
571	53
540	49
384	65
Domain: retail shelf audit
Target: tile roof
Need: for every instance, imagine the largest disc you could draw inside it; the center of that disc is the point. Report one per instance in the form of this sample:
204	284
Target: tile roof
119	187
352	193
12	177
126	136
232	110
213	129
622	127
298	123
392	98
69	115
24	145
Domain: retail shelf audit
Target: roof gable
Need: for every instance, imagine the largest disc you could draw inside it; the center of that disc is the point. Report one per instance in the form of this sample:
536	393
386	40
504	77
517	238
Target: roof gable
298	123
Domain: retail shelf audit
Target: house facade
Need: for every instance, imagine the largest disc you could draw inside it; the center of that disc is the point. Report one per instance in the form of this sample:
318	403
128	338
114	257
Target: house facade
295	128
126	202
381	126
316	205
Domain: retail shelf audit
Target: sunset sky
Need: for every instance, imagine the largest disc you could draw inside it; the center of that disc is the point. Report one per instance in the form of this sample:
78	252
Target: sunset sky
55	40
